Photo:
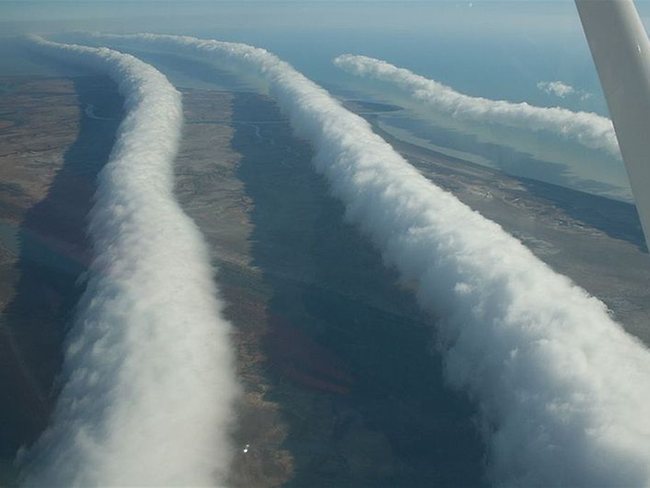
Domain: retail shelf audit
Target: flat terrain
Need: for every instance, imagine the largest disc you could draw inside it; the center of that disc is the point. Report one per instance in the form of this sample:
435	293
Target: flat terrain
50	153
321	325
341	387
329	397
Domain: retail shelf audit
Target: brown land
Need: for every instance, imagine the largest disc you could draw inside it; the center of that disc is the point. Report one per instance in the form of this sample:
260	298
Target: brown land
320	324
210	192
49	158
316	315
340	385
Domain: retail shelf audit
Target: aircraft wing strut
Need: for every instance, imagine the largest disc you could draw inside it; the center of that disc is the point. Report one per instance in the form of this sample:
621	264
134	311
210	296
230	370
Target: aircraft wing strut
621	51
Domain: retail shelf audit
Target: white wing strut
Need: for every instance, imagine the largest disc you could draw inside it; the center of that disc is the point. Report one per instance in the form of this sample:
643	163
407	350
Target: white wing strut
621	51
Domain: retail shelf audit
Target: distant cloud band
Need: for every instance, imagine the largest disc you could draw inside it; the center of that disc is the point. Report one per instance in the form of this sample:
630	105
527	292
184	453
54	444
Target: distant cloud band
148	373
589	129
562	390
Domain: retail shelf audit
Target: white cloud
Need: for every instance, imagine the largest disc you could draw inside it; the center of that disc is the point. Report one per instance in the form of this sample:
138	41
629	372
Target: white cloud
562	90
557	88
589	129
562	390
148	373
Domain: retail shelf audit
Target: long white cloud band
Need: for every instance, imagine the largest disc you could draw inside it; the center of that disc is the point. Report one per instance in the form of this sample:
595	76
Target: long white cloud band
589	129
561	388
148	374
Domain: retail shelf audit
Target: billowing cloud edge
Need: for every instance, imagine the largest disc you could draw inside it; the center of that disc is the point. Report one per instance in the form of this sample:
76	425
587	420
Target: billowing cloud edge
561	388
148	375
586	128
